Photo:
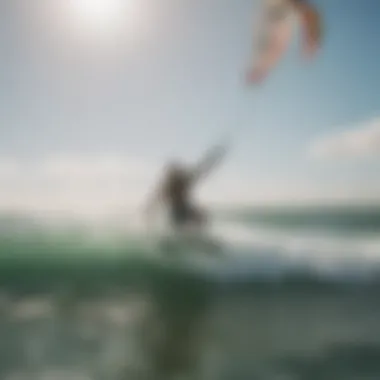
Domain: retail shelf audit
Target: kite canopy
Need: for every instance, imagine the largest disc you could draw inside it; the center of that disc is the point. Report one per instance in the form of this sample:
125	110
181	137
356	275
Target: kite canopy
275	33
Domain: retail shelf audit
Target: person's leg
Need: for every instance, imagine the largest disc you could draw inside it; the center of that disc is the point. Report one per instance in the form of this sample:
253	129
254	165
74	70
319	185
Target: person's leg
188	216
179	217
198	216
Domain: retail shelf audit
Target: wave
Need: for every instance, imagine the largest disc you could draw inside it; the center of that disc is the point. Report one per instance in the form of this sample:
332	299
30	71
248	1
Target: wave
346	219
96	301
43	251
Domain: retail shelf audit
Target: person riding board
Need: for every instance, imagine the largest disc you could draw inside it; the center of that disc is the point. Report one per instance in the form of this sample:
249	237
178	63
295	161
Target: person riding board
175	190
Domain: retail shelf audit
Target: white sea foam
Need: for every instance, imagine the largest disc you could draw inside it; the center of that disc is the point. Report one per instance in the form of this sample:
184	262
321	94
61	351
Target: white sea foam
294	248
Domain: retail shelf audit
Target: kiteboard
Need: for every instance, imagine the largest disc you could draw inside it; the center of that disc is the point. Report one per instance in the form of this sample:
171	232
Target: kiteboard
190	243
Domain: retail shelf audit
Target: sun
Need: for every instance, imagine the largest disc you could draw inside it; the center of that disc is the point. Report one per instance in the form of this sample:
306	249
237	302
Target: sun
106	22
101	14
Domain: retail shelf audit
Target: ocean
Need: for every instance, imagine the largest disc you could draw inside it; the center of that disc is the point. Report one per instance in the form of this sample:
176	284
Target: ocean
293	296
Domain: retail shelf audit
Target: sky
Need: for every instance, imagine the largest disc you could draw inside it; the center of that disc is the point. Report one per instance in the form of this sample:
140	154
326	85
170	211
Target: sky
91	111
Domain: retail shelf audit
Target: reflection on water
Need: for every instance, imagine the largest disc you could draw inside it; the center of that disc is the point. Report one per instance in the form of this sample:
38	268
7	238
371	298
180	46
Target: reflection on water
111	333
189	327
72	308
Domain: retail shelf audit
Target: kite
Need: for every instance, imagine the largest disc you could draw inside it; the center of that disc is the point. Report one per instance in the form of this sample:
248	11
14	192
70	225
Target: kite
275	34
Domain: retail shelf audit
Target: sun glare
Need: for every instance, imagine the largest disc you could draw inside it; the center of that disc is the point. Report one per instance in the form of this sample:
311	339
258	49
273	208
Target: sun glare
102	14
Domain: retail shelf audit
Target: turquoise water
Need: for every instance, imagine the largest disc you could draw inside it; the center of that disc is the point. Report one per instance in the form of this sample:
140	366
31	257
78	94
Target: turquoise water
355	219
98	301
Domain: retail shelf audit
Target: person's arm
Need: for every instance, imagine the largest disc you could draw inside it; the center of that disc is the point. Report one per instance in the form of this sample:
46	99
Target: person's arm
210	160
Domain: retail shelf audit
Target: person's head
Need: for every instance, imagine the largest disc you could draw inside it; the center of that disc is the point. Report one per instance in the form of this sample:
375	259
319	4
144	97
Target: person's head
176	169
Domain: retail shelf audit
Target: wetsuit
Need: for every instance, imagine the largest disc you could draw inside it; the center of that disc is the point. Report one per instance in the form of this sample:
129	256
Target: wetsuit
181	210
175	191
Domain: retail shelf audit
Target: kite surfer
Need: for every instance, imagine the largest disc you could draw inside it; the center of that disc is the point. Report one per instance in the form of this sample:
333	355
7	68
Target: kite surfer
175	190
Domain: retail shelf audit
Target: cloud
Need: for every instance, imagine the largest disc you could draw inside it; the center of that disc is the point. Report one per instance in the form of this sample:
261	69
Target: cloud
74	183
85	185
98	168
360	142
9	169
